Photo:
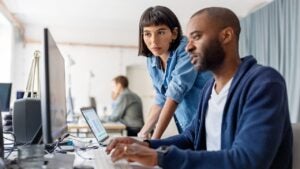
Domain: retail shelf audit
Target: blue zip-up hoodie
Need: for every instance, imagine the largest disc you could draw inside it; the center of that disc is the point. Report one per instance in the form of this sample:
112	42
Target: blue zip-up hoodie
256	129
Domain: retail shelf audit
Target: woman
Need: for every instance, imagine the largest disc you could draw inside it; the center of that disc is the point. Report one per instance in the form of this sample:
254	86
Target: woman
177	84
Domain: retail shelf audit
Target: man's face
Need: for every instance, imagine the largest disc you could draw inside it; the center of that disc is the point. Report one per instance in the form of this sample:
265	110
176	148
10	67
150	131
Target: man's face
115	87
204	46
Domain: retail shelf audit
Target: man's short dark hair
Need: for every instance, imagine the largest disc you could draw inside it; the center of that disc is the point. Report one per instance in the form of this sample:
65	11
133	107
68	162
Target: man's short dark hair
223	17
158	15
121	80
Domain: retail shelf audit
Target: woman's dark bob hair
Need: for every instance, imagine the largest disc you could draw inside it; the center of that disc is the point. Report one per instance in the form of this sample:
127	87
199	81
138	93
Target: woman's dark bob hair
158	15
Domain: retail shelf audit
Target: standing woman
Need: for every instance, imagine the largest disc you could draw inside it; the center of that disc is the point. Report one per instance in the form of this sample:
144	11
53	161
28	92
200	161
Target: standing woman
177	84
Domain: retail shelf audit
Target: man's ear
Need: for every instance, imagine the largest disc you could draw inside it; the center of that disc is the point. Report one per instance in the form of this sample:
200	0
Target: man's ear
227	35
174	33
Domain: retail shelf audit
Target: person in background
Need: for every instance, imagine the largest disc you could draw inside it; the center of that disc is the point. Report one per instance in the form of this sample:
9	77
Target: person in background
127	107
177	84
243	119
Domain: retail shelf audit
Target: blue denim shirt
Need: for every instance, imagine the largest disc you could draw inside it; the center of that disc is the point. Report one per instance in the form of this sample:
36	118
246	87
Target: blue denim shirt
180	82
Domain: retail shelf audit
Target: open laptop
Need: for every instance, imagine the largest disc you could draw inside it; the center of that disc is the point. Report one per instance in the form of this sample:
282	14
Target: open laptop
93	120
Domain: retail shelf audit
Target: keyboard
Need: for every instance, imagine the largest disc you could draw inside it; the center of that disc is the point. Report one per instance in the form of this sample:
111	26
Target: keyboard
103	161
61	161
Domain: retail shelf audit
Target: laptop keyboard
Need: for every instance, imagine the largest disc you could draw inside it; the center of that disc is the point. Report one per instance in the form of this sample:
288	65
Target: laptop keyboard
103	161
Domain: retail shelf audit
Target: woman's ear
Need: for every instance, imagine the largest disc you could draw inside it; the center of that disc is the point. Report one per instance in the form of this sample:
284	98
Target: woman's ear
174	33
226	35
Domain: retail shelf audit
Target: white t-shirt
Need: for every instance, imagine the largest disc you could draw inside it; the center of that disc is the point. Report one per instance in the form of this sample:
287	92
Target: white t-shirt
214	116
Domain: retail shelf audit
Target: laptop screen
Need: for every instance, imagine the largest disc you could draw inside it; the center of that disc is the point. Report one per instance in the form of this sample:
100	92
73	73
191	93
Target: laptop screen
94	122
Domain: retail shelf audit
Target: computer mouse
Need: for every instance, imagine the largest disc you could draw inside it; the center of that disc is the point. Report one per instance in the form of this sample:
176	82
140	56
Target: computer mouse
83	167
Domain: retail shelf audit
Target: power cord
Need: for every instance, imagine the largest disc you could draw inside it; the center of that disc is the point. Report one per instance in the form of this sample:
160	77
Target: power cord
49	148
14	143
81	156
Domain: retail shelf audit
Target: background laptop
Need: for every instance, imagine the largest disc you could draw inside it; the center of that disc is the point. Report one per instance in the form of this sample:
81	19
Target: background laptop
93	120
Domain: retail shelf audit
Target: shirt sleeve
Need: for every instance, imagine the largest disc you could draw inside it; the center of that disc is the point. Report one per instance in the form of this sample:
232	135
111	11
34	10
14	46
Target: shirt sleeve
183	76
160	99
118	109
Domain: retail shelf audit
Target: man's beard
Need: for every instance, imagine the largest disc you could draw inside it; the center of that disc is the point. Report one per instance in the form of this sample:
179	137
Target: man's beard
213	56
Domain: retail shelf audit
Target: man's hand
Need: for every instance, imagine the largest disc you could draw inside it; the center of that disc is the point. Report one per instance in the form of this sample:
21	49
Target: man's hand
135	152
123	140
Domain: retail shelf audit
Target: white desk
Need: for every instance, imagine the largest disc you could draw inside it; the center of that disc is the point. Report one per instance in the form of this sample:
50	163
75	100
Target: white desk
100	160
111	128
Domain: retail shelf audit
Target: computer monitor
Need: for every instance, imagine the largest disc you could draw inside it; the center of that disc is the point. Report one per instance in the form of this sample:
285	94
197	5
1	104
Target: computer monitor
53	90
5	91
1	138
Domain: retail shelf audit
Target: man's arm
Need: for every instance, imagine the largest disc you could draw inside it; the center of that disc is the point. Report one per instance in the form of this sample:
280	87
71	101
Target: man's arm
119	109
261	128
151	121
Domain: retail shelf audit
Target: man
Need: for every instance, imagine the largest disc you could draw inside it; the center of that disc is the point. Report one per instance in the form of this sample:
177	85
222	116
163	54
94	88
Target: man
243	118
127	107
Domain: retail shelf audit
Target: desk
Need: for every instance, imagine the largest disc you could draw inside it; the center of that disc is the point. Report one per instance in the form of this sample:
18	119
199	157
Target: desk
97	158
118	128
100	160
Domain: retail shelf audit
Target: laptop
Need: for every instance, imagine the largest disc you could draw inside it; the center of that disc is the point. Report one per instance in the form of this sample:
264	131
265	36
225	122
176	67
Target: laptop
93	120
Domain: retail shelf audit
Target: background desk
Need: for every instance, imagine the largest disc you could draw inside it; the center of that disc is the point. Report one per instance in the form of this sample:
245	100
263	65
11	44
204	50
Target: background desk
111	128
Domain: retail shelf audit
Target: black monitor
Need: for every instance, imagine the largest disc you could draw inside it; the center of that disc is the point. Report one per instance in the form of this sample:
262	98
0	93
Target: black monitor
1	138
53	91
5	91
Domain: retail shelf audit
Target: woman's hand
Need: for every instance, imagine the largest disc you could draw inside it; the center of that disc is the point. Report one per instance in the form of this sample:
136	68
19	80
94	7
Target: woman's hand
144	135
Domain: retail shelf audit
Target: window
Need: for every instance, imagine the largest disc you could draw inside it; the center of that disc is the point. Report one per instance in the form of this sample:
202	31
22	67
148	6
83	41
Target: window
6	40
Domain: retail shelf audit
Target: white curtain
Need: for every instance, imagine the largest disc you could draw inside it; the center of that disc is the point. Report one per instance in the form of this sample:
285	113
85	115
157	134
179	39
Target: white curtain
272	35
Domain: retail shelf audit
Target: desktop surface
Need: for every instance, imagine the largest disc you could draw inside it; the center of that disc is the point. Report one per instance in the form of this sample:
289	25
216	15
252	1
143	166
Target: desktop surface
103	161
89	158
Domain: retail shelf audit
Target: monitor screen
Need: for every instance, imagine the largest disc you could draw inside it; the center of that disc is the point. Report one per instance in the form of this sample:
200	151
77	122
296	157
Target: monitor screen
95	124
5	91
53	91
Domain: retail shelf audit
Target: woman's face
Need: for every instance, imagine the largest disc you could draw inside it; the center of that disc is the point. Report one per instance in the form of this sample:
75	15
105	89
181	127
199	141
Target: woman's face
158	39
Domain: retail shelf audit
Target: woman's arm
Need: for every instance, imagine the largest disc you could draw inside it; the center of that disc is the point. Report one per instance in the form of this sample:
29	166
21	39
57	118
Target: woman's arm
151	121
165	116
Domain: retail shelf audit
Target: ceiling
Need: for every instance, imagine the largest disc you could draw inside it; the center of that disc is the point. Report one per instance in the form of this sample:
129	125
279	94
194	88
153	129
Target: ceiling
111	22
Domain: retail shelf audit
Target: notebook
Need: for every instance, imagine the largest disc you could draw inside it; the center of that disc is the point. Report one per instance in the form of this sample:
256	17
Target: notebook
93	120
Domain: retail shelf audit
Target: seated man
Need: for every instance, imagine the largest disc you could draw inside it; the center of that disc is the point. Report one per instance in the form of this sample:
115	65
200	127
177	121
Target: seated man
127	107
243	118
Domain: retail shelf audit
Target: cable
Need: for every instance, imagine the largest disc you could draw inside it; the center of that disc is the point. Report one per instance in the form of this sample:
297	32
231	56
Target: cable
14	143
49	148
8	139
11	133
63	137
77	139
85	158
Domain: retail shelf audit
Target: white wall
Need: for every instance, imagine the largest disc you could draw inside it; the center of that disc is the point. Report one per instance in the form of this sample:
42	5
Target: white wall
5	49
105	63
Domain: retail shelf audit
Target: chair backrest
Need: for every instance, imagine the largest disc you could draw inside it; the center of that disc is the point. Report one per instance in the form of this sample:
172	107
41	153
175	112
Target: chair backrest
296	145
